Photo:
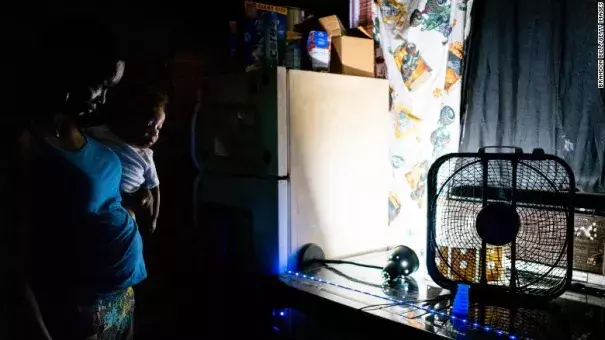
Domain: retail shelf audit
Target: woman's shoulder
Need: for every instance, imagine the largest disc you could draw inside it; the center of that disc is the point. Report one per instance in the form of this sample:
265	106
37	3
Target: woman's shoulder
101	133
99	147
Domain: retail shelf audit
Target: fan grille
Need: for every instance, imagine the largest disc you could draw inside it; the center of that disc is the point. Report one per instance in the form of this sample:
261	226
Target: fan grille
540	250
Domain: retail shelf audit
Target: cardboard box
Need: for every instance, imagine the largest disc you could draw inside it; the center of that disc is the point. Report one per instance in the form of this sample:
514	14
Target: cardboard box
352	54
332	25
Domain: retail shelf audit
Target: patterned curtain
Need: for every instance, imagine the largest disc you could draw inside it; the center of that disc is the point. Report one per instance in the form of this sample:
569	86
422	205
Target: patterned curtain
420	50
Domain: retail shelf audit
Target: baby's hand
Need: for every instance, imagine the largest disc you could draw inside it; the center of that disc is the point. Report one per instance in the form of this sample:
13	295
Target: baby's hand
145	200
153	225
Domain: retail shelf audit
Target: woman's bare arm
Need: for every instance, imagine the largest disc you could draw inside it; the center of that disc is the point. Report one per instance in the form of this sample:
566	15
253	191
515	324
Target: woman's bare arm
25	149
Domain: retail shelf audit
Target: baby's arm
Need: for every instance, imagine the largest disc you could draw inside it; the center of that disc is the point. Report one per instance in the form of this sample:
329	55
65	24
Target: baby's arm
152	182
155	193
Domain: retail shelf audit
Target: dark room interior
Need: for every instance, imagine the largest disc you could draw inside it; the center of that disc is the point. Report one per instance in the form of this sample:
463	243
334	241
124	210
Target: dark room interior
481	121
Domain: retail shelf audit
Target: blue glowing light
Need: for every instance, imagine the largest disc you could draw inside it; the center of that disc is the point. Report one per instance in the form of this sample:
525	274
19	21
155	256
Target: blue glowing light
461	300
282	313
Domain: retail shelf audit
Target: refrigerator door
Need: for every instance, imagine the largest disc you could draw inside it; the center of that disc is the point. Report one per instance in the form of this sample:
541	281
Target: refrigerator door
239	125
244	218
339	163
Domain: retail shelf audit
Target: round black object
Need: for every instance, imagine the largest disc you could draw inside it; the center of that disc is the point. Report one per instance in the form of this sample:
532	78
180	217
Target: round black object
403	261
406	256
498	224
309	257
391	274
408	288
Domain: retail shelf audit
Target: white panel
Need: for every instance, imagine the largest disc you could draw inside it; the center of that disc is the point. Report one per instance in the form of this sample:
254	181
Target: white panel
283	223
339	162
282	122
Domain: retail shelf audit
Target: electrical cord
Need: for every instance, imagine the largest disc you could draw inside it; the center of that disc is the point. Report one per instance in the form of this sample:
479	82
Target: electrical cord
348	262
350	278
394	304
327	263
380	306
390	304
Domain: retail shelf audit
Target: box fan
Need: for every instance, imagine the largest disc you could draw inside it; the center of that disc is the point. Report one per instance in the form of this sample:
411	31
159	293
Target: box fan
501	223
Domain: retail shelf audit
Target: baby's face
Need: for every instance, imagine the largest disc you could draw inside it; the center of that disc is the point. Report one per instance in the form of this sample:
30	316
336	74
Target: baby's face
151	131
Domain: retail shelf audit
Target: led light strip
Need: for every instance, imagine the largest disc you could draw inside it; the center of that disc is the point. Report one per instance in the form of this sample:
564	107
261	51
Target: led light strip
407	303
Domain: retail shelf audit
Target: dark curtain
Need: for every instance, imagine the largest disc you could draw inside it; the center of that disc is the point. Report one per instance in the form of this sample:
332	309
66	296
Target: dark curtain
532	83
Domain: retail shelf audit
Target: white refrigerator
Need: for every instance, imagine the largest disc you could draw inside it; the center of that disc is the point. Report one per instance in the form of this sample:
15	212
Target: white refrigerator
301	157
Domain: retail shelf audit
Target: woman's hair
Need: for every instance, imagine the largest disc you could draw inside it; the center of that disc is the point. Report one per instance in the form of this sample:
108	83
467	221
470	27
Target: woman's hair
69	54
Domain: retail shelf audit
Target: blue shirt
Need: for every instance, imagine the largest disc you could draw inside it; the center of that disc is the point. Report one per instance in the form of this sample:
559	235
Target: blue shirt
85	242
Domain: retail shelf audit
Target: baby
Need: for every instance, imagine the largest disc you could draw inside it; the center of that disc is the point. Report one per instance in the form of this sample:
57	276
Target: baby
135	118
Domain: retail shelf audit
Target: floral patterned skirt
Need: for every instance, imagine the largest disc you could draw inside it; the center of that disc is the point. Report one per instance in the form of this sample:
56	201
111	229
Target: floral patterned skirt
107	318
112	318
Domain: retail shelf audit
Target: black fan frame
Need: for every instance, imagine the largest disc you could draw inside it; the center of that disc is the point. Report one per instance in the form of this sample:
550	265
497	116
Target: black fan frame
493	292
